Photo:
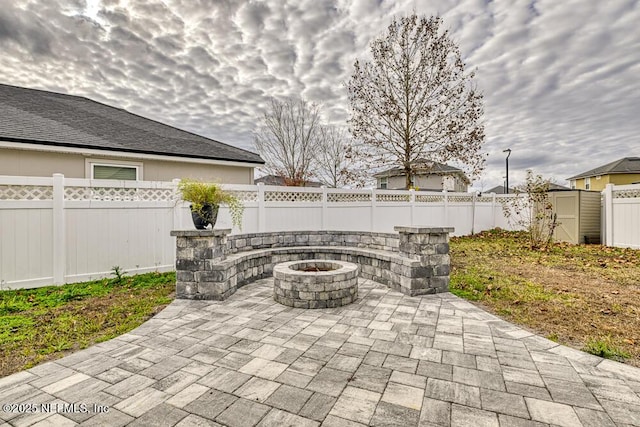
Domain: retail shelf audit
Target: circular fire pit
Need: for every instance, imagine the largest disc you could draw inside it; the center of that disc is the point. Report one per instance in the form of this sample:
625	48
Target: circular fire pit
315	283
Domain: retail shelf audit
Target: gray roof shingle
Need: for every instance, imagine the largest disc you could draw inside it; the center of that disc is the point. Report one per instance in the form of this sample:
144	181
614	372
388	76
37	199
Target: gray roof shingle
623	165
49	118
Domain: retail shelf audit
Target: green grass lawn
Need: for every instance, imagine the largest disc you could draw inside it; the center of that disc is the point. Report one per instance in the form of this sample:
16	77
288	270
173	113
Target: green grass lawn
47	323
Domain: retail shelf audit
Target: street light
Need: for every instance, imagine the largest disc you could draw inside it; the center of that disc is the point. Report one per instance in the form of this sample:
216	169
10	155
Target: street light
508	150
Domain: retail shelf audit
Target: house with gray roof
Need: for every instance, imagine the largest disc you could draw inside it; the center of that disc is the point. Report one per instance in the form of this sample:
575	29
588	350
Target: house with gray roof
282	181
42	133
427	176
620	172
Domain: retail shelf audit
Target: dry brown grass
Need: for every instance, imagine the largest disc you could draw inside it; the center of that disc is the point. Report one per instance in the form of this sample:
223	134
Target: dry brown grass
583	296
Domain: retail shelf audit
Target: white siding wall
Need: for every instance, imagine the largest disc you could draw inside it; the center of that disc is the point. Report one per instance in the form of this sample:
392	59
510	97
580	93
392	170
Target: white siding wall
102	224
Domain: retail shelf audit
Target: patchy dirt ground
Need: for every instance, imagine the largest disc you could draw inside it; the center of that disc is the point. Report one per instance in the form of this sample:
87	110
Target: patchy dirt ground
583	296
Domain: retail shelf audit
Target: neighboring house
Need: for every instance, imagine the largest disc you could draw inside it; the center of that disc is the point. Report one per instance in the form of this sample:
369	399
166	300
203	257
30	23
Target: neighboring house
280	180
620	172
499	189
427	176
42	133
557	187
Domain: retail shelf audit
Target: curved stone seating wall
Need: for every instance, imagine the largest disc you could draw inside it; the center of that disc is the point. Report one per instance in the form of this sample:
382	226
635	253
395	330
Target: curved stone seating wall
359	239
212	265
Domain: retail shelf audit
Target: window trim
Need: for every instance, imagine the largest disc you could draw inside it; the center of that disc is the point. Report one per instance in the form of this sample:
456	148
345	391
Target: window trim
587	183
90	163
384	183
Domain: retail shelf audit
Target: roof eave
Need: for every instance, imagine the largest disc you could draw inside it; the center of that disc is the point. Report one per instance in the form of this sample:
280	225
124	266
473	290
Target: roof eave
258	161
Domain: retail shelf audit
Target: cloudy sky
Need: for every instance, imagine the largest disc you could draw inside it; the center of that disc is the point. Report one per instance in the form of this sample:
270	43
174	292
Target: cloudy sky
561	78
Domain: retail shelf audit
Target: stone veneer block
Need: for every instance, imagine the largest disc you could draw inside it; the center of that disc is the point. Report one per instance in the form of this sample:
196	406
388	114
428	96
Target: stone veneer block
197	251
429	246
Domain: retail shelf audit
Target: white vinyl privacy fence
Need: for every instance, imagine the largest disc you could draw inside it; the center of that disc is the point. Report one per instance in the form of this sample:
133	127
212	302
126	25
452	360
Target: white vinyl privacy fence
621	216
62	230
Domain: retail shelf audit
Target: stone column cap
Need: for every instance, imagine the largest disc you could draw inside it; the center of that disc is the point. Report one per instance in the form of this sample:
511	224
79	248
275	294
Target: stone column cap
201	233
422	229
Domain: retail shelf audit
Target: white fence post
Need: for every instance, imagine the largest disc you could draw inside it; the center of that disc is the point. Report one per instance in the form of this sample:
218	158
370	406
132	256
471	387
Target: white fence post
473	211
59	235
412	200
373	209
608	214
262	217
493	210
177	209
323	217
446	207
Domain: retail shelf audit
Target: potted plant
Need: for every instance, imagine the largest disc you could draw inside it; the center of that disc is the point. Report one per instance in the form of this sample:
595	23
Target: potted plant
205	199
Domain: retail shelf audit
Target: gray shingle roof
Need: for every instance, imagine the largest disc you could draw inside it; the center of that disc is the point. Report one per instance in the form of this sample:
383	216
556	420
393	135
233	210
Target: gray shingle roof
48	118
624	165
280	180
423	166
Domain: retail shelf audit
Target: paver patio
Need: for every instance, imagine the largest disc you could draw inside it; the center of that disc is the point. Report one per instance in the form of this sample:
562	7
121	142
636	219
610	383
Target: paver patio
385	360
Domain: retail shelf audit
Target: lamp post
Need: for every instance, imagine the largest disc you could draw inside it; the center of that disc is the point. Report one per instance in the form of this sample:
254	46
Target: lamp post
508	150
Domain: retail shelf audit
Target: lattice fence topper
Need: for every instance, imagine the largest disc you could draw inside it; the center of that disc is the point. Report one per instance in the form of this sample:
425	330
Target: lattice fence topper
503	200
246	196
348	197
426	198
120	194
291	196
385	197
626	194
484	199
26	192
459	199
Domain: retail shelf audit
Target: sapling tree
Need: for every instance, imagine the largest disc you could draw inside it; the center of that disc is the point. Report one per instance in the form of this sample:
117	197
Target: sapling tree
531	209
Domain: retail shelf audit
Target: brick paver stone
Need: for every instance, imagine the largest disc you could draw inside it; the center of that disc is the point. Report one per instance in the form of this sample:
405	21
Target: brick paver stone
552	413
243	413
356	404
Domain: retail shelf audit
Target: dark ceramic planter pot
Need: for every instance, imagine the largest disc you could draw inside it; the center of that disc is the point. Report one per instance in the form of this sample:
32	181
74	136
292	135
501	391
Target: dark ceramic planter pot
208	215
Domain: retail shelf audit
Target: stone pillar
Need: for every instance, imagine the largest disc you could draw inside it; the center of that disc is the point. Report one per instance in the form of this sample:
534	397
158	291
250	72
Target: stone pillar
198	257
429	246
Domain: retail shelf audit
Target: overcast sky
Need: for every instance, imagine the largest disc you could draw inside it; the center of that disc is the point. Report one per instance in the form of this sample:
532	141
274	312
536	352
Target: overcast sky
561	78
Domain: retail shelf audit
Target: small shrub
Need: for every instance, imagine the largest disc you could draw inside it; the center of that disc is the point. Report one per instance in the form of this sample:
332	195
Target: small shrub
119	274
553	337
603	347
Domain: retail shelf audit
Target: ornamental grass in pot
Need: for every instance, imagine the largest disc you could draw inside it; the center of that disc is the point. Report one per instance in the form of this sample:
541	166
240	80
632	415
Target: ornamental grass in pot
205	199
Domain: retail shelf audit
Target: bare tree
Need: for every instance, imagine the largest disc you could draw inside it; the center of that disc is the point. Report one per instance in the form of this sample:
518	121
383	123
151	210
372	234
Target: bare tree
338	164
288	139
413	100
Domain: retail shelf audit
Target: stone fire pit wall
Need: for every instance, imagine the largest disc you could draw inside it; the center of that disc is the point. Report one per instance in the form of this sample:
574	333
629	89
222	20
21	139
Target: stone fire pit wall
295	287
211	265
